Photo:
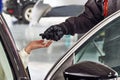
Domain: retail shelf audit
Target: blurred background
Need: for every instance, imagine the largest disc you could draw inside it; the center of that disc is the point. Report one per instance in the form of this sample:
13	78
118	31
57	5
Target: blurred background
26	28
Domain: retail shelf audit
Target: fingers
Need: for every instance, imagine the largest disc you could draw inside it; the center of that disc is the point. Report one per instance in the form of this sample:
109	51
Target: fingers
42	43
47	43
48	34
42	35
53	33
37	44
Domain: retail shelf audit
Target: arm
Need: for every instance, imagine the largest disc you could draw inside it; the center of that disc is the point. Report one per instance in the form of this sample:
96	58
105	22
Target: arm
92	15
33	45
81	24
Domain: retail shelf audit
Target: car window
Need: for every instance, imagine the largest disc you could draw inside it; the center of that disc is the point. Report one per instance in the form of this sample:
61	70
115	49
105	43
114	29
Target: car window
103	46
5	70
100	44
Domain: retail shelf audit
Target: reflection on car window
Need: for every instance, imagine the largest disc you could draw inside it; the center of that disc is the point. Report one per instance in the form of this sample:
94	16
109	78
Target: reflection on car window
5	70
103	46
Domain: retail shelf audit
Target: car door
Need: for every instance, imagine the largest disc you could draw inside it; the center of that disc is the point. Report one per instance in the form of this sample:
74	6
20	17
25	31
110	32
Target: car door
11	67
98	45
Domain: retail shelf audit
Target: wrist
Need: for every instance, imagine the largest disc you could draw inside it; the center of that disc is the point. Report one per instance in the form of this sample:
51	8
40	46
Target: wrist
24	56
27	49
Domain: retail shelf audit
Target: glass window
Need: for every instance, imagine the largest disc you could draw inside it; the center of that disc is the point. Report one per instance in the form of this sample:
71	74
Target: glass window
5	70
103	46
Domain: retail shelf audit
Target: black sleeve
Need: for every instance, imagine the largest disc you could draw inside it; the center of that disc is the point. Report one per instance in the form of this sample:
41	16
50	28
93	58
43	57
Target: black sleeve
91	16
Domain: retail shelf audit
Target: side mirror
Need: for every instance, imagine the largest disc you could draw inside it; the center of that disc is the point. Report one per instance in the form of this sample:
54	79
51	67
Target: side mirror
88	70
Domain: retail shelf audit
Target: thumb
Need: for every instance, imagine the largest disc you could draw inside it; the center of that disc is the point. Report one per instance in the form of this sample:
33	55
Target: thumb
42	35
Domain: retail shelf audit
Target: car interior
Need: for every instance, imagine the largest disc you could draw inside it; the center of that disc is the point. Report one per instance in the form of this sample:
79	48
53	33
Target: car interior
99	49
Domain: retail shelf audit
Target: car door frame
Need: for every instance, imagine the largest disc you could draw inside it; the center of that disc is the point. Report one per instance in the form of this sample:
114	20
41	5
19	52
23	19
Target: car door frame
18	70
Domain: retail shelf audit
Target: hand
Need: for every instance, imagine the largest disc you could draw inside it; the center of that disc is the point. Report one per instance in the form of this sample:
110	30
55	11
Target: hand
53	33
36	45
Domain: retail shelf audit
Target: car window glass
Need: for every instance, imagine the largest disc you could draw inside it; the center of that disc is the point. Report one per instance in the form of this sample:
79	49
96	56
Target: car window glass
5	70
103	46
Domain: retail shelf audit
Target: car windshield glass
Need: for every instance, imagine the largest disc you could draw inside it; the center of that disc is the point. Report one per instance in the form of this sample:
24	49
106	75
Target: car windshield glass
103	46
